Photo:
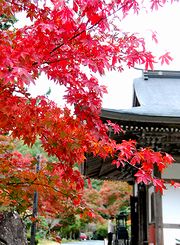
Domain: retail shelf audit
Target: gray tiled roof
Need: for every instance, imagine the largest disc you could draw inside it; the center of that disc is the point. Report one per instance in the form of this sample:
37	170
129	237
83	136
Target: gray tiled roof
153	110
158	97
162	93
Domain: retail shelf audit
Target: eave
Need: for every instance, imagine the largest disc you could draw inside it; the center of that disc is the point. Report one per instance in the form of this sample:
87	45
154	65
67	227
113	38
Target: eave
130	117
142	128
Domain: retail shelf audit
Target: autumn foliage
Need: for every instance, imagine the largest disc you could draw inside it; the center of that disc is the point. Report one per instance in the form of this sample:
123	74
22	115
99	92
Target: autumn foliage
65	37
110	200
19	180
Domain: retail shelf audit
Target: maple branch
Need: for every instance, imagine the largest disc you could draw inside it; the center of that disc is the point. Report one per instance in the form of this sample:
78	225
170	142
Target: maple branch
134	166
27	215
36	184
55	61
76	35
91	27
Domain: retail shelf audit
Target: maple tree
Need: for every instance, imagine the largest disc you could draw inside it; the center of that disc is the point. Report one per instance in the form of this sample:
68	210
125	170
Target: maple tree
19	181
64	37
112	198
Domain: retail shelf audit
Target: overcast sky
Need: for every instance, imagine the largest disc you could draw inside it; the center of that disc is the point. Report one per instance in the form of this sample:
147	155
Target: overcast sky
165	22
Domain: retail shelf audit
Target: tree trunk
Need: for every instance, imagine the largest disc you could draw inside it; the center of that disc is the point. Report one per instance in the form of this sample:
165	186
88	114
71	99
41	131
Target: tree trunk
12	229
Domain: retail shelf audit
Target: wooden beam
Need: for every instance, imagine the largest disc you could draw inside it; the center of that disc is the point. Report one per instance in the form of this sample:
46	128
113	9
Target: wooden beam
158	213
171	226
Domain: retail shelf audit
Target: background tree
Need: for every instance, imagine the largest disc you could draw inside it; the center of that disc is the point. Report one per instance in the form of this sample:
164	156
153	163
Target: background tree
109	199
112	198
19	180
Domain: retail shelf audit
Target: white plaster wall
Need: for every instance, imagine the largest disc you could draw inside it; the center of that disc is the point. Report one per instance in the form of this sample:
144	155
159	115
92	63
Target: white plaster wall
170	235
171	205
150	191
172	172
171	214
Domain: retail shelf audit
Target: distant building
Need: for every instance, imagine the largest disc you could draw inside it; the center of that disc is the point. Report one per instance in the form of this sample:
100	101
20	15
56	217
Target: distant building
154	120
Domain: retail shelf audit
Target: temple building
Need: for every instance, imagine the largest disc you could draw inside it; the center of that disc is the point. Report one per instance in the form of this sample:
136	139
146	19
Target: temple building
153	121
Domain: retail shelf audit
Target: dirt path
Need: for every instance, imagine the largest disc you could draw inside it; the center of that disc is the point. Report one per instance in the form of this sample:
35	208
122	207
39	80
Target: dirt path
45	242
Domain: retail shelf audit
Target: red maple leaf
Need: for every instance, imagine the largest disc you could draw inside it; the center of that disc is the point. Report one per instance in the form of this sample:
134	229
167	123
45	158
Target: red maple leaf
142	176
175	184
159	185
116	128
165	58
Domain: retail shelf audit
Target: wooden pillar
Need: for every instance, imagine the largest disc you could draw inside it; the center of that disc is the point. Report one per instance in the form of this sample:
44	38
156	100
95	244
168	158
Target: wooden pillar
158	219
134	220
143	215
158	213
142	204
